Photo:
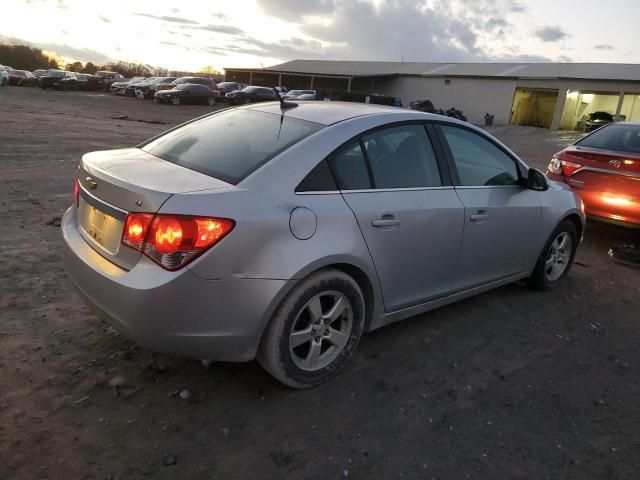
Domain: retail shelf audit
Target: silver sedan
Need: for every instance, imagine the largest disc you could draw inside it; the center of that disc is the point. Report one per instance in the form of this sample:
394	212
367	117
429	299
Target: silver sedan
284	234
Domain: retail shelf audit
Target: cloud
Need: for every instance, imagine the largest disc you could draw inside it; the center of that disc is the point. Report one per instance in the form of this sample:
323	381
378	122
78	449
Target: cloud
165	18
75	53
603	46
295	10
104	19
495	22
226	29
550	34
221	16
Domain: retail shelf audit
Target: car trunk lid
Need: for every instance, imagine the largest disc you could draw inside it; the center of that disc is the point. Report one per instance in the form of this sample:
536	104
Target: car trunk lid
604	170
116	182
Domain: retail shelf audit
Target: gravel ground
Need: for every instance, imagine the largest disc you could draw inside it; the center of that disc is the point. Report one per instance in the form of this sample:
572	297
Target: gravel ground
512	384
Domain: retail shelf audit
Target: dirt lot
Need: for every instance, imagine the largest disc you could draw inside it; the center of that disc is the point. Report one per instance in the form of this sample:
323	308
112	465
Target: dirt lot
512	384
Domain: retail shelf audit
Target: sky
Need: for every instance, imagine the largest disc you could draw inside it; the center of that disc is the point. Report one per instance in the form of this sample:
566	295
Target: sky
189	35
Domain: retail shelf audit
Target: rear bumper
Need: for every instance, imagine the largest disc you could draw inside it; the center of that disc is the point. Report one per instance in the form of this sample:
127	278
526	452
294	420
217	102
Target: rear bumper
176	313
614	207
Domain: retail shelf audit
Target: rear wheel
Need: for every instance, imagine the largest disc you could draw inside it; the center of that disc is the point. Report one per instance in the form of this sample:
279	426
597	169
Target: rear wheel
175	100
314	330
556	258
5	82
211	101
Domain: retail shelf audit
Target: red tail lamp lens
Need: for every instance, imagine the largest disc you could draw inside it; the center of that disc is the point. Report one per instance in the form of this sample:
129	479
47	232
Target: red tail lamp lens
136	227
167	235
76	192
172	241
569	168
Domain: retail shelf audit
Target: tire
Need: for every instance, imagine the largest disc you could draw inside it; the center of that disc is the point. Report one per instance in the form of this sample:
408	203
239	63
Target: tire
175	100
316	358
211	101
5	82
556	258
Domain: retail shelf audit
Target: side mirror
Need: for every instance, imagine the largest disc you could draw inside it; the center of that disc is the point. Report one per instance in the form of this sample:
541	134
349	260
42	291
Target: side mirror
536	180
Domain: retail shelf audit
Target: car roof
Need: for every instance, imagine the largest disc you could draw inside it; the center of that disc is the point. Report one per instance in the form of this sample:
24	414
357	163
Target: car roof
328	113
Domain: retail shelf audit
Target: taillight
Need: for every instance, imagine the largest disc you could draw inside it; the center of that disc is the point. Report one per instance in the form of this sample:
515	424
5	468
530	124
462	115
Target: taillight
172	241
76	192
569	168
563	167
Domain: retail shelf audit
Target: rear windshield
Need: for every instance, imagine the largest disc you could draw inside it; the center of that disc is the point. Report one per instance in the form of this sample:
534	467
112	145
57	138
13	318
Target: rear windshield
619	138
231	144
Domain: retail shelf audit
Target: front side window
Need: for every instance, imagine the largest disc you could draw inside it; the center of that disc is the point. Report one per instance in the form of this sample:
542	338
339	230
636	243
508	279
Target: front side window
402	157
230	144
479	162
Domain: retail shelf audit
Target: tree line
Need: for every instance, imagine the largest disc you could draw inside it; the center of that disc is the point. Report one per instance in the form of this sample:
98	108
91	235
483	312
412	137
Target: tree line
24	57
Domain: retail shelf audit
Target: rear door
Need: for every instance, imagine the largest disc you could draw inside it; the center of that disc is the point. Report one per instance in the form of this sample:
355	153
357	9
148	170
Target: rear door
501	217
407	210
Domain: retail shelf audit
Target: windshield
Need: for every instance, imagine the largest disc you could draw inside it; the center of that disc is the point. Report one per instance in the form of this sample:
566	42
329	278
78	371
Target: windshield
619	138
182	86
19	73
55	73
252	89
602	116
231	144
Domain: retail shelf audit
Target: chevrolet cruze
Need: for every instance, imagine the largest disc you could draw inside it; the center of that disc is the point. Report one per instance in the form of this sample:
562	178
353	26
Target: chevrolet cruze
283	232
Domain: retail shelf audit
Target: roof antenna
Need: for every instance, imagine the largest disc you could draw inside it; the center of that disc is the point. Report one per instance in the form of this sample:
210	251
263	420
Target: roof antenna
283	104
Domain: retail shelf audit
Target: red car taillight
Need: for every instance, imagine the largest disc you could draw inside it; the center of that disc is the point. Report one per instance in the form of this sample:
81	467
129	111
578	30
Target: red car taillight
172	241
563	167
76	192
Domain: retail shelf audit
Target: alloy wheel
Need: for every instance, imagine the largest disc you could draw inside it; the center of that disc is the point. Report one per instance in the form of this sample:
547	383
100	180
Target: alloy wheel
558	256
175	100
321	330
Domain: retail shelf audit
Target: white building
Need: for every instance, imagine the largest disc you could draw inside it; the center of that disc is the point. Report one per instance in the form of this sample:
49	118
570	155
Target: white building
551	95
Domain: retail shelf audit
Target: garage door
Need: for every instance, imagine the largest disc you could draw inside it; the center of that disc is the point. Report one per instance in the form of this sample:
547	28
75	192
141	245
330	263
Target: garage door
533	107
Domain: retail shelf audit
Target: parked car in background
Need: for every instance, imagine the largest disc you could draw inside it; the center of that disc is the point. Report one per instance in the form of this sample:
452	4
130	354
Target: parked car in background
148	88
130	90
39	73
120	88
4	76
226	87
22	78
58	79
83	81
105	78
604	169
206	81
594	120
312	224
300	95
251	94
187	93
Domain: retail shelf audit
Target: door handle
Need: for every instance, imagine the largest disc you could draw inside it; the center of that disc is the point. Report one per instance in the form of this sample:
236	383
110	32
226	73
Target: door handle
385	222
479	217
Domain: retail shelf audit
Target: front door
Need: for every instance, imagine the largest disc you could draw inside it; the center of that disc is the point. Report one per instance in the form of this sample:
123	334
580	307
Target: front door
501	217
410	218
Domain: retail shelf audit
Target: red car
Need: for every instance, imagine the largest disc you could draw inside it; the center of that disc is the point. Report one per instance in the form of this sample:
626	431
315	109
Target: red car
22	78
604	169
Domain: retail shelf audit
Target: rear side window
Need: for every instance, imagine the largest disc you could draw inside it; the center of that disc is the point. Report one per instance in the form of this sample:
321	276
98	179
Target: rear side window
619	138
478	161
350	168
231	144
402	157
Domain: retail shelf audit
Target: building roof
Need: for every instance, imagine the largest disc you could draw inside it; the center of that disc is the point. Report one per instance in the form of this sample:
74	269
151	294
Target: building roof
585	71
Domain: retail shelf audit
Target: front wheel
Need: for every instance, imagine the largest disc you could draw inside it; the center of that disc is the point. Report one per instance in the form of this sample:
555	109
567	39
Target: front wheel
175	100
211	101
314	331
556	258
